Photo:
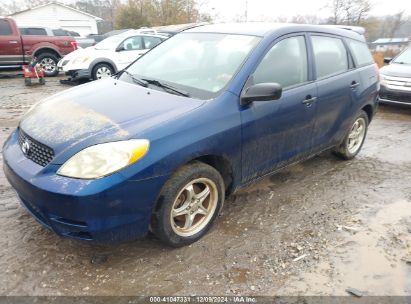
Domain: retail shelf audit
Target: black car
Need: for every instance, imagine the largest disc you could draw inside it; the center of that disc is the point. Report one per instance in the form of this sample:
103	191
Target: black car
396	79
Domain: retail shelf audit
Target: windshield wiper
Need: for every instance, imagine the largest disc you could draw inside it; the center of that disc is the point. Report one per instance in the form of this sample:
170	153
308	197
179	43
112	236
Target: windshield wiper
166	87
134	78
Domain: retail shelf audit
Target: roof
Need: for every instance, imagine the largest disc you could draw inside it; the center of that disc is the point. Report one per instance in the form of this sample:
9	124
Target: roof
391	40
263	29
59	4
175	28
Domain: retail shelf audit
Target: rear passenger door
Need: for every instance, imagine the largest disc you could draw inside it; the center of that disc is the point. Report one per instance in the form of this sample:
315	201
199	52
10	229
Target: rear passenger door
279	132
337	87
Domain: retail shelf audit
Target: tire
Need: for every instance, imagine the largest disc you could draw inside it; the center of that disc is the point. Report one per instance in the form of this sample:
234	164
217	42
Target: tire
354	139
102	70
49	63
27	81
42	80
185	211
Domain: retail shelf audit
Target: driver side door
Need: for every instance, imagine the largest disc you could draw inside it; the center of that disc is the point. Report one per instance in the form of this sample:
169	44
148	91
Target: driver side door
128	51
279	132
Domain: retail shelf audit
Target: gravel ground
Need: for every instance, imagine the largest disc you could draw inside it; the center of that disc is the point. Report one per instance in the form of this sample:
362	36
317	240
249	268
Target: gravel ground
317	228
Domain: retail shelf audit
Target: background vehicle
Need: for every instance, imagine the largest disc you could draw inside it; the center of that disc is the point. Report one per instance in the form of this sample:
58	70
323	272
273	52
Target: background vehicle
396	79
204	113
82	42
109	56
16	50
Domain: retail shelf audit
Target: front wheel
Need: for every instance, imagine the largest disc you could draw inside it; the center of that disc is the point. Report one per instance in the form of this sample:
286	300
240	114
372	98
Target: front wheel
354	139
189	203
102	70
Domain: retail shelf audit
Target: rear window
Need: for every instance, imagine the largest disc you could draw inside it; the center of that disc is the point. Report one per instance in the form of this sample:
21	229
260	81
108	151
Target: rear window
31	31
5	28
330	56
361	53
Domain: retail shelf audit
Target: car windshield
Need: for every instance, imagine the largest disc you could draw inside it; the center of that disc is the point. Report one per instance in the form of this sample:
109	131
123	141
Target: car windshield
201	64
109	43
404	57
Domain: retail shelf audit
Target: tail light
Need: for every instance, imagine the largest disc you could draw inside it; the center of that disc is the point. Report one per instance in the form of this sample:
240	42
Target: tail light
74	45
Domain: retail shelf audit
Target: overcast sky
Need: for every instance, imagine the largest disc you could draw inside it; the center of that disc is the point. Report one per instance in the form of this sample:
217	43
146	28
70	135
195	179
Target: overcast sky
263	10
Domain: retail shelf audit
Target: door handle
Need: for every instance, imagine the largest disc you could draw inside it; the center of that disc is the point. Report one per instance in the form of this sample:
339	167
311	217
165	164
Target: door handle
309	100
354	84
13	41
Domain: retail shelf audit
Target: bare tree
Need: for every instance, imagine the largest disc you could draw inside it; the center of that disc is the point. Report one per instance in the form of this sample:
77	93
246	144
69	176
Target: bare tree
349	12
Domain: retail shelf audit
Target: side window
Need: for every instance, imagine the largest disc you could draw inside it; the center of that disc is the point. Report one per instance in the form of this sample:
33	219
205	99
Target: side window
150	42
361	53
330	56
285	63
36	32
5	28
132	44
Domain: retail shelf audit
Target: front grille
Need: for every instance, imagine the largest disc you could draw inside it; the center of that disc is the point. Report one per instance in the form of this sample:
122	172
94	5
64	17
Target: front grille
401	97
32	149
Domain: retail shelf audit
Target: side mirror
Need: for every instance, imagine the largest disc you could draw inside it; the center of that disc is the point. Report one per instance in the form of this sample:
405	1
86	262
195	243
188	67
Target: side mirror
120	48
261	92
387	60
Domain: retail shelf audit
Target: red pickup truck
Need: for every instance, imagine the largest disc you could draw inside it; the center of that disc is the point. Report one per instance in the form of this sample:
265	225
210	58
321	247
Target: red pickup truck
16	49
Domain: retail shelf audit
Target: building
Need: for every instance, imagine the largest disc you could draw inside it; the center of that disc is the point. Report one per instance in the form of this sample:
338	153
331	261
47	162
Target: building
56	15
390	44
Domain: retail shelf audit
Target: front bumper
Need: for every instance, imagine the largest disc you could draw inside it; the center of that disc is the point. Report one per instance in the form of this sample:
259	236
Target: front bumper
387	95
79	74
105	210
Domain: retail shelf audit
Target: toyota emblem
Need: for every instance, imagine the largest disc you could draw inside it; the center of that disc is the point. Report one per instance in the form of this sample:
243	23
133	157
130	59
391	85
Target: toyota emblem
25	147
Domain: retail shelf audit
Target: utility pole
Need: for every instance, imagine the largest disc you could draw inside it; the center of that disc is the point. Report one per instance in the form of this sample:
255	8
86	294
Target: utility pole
246	10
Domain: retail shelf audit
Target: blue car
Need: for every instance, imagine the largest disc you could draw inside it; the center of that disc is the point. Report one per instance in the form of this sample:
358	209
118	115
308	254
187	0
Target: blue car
158	146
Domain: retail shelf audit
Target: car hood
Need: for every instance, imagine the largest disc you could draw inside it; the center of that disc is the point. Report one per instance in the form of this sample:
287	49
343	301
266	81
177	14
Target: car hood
101	111
397	70
89	51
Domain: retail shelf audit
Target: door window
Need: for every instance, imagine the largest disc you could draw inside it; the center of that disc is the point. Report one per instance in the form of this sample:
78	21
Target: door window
5	28
132	44
150	42
285	63
360	52
330	56
32	31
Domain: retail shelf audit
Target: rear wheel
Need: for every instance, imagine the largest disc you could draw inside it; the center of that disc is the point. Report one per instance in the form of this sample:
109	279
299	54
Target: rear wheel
354	139
49	63
102	70
188	204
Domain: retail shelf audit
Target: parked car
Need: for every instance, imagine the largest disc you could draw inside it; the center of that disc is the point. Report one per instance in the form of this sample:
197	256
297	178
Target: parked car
82	42
109	56
396	79
159	145
16	49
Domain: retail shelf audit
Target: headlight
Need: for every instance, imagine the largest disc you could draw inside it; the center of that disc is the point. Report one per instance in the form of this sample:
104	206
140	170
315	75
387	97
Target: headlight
81	59
104	159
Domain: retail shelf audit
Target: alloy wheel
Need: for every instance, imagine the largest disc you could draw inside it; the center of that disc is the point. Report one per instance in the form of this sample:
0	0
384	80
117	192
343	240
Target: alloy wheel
356	135
194	207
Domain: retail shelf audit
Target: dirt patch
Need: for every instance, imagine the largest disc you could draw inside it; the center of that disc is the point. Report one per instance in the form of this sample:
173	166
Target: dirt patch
317	228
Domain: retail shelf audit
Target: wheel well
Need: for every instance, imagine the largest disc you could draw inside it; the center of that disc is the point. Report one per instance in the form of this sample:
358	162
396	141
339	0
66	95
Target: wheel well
222	165
368	109
47	50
